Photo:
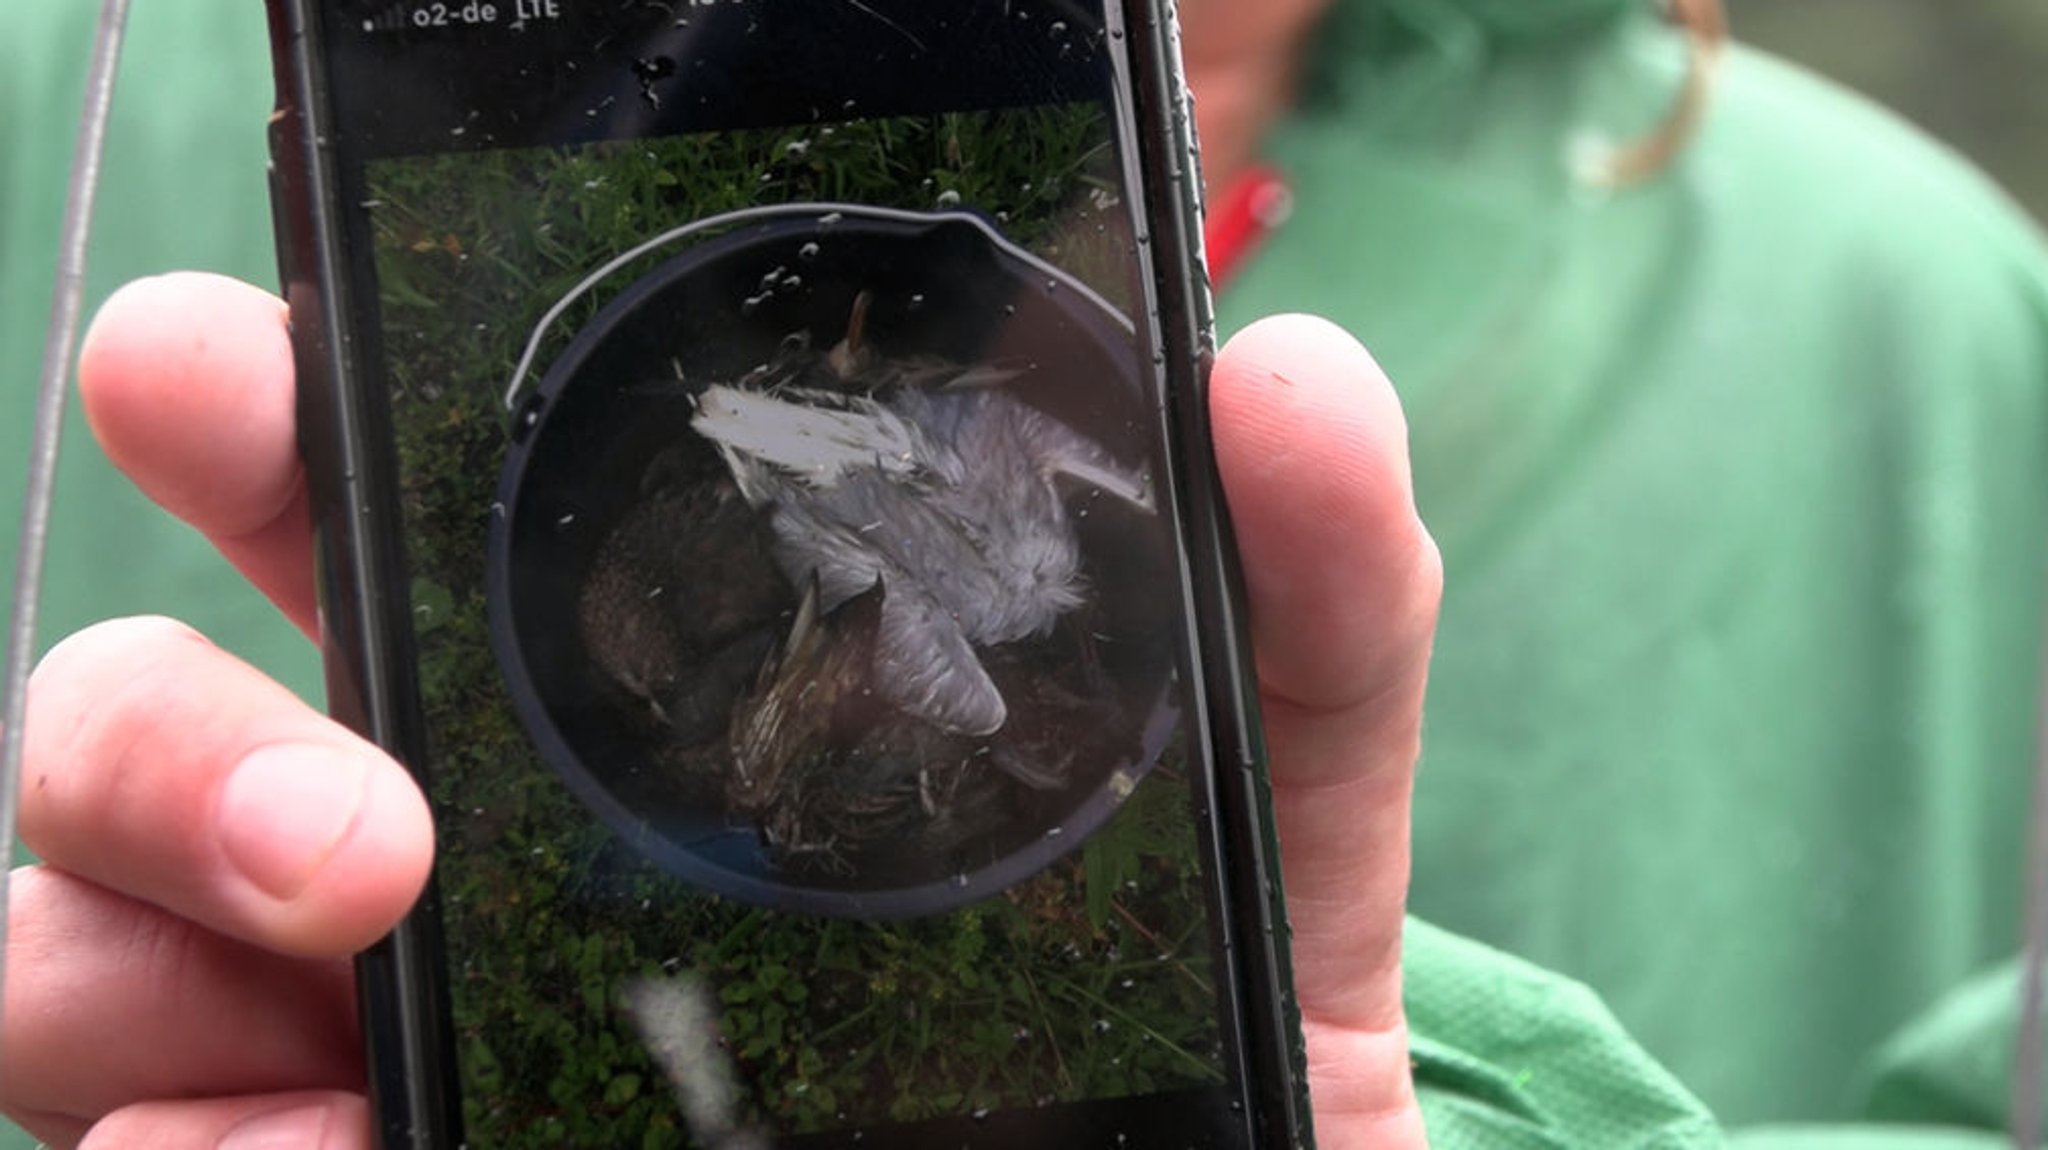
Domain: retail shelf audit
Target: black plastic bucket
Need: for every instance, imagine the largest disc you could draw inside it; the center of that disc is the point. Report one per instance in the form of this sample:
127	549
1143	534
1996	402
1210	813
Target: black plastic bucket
622	393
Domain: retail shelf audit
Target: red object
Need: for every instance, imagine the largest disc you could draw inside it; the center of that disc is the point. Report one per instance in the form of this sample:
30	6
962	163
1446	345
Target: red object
1256	202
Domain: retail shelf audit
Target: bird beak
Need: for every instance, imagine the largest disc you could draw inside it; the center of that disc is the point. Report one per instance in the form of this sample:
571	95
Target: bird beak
847	356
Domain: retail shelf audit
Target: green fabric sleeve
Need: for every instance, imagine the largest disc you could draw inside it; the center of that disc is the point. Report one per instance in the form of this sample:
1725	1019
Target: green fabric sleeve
1953	1065
1864	1138
1508	1056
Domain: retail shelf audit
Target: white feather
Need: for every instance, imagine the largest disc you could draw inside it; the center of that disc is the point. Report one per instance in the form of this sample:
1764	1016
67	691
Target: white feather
818	439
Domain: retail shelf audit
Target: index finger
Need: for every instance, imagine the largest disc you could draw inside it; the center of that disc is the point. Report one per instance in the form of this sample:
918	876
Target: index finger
187	382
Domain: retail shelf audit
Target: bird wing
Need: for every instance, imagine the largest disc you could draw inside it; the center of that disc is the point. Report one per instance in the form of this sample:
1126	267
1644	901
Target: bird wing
1063	451
816	439
985	425
925	665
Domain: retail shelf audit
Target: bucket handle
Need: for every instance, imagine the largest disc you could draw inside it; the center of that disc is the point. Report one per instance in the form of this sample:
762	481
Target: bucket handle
827	213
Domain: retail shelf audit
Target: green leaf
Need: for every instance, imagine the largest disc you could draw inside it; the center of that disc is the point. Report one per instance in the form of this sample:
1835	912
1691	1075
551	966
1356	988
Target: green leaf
622	1089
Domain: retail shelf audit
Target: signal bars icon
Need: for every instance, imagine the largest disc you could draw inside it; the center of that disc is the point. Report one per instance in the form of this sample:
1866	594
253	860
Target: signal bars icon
391	19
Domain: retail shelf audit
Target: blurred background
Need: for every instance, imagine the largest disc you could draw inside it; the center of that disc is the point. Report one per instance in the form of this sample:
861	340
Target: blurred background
1972	72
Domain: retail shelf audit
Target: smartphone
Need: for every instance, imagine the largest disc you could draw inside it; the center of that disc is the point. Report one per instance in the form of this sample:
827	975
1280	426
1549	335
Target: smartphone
763	489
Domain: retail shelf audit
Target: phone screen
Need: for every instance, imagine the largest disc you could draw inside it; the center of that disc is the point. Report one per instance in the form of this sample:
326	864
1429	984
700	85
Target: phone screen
800	617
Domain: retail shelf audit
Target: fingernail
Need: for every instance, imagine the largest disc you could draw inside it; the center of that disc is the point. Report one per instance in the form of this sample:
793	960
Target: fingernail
303	1128
284	810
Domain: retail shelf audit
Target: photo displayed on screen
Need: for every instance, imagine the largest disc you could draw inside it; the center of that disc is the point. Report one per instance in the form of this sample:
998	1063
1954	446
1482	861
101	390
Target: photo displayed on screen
798	625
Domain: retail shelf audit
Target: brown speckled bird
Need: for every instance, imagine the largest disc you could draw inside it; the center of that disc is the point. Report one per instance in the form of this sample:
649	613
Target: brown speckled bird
682	600
831	772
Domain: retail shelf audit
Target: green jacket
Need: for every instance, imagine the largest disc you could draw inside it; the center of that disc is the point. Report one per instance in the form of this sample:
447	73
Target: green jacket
1739	481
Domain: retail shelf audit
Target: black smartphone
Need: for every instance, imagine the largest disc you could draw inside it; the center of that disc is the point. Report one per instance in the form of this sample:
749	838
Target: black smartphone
763	488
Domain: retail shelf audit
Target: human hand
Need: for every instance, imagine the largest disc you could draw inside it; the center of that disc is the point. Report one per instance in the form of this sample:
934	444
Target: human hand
215	850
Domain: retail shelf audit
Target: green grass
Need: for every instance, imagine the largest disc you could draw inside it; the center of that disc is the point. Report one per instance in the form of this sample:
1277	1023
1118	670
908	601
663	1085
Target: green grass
1091	980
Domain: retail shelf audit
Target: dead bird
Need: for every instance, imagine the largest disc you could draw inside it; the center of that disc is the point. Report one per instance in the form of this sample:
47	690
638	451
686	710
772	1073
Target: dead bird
833	775
821	763
814	692
682	601
929	479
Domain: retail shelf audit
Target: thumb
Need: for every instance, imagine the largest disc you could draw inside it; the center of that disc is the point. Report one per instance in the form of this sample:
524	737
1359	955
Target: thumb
1344	584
